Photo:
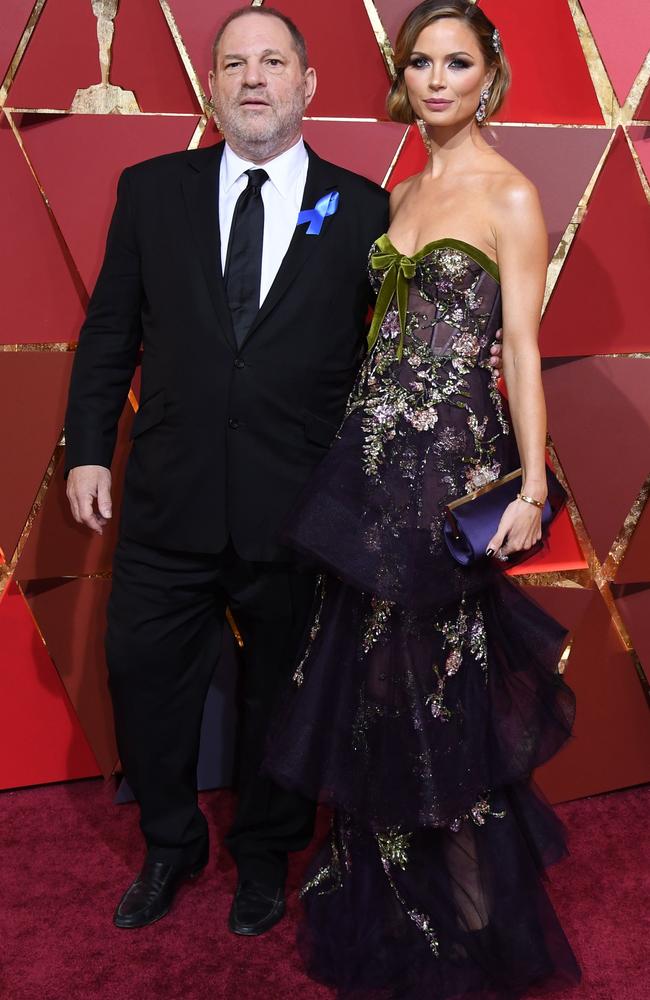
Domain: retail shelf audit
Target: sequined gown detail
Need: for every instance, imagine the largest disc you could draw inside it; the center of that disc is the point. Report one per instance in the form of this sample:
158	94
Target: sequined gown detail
427	692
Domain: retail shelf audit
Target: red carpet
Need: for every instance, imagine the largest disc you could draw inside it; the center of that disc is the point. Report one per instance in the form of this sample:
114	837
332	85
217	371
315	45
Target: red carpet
67	853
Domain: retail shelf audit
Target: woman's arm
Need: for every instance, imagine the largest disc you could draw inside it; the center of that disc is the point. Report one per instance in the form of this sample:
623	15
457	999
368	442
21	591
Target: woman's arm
522	255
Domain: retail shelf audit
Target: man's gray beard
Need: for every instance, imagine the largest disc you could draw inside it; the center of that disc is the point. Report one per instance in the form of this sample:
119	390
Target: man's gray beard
261	143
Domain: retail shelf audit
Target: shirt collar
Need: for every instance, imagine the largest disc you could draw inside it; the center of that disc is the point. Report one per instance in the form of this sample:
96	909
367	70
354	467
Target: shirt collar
283	171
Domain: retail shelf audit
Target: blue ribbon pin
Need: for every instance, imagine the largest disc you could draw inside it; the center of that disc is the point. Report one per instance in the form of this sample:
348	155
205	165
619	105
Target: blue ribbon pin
315	216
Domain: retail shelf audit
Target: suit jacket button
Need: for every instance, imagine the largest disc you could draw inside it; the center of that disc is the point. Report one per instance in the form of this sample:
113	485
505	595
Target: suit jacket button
233	424
239	363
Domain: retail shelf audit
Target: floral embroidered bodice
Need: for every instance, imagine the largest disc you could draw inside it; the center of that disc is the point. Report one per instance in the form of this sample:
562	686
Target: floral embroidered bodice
436	318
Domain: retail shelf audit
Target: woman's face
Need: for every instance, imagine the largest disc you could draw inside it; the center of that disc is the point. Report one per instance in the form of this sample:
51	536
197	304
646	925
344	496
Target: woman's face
446	73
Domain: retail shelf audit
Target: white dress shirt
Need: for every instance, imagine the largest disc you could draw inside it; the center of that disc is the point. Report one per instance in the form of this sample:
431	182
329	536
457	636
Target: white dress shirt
282	198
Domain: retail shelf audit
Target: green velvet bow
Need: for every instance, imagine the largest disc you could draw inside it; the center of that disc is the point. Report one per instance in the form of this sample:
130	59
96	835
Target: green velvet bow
399	270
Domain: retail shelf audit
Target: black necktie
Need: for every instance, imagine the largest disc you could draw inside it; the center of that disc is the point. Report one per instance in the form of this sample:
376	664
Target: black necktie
244	258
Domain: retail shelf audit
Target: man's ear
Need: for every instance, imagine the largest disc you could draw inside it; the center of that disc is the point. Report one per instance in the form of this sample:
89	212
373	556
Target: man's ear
311	83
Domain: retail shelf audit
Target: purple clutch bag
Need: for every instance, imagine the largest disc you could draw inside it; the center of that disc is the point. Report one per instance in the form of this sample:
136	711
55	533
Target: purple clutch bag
472	520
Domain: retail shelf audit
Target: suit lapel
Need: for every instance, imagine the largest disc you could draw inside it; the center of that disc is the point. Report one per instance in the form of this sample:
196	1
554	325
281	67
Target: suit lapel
320	180
201	192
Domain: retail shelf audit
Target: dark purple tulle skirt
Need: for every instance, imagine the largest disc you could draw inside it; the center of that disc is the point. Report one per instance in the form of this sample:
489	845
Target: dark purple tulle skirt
405	718
437	914
421	728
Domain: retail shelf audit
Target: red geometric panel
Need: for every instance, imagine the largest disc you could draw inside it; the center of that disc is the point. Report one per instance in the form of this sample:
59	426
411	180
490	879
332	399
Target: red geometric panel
15	15
31	258
33	393
198	24
600	302
41	734
145	59
561	551
599	417
635	567
643	111
392	14
611	746
78	159
634	605
57	546
411	160
559	161
640	136
368	148
568	605
621	37
551	82
352	79
72	618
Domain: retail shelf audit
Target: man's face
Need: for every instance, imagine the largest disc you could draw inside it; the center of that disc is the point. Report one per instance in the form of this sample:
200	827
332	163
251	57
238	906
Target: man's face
259	90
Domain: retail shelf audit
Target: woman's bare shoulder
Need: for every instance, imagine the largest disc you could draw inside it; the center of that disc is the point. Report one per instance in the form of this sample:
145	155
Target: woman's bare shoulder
400	191
510	189
516	215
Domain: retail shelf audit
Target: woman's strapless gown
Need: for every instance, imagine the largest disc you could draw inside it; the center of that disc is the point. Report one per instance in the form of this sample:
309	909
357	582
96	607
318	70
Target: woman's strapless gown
427	692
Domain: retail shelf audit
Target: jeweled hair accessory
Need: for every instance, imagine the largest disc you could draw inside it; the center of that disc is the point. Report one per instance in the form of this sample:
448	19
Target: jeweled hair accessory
496	41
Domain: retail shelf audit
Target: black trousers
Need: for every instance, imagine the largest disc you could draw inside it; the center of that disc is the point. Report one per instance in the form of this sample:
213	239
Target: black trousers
165	620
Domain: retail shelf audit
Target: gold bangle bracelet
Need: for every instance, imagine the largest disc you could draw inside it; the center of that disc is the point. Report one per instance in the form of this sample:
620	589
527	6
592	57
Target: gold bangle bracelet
535	503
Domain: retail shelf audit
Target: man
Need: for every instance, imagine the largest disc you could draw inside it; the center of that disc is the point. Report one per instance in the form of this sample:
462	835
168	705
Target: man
241	270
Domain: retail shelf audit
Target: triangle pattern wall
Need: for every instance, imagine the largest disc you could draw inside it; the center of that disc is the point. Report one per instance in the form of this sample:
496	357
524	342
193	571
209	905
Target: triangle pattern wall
576	122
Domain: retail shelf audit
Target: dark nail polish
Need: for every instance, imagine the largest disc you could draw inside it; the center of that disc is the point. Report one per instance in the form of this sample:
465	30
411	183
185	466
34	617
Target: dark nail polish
489	552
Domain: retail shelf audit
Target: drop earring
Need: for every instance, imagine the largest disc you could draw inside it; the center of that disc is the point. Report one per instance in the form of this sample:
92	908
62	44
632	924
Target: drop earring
481	111
425	135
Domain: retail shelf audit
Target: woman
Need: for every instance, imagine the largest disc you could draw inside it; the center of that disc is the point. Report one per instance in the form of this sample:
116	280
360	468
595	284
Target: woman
429	692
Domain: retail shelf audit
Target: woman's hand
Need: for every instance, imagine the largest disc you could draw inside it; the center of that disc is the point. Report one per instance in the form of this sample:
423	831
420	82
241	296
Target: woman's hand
520	528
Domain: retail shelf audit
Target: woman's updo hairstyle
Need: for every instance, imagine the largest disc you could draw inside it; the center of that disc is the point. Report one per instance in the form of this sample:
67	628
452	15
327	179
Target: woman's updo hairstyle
398	104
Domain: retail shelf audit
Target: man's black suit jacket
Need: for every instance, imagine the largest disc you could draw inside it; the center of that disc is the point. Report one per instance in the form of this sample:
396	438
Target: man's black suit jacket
224	439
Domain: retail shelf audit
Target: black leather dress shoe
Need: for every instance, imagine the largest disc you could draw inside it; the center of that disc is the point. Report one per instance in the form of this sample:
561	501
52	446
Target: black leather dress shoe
255	909
150	896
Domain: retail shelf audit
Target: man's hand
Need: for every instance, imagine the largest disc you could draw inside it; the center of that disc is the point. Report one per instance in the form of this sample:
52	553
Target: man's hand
495	354
89	494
